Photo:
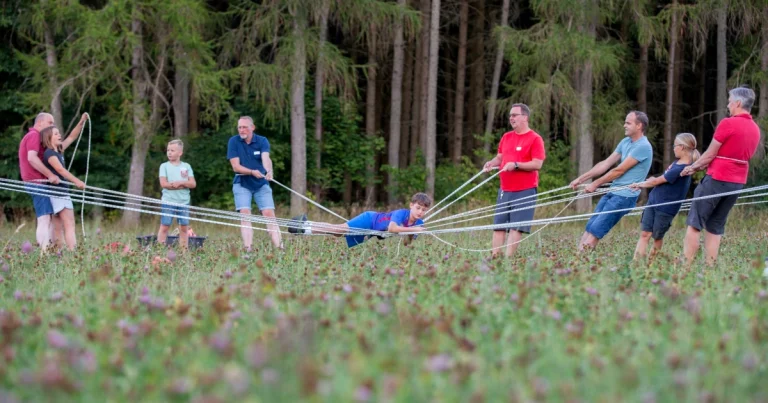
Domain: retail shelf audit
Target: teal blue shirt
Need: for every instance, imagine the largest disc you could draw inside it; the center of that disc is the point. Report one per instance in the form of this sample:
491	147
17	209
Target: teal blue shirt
640	150
174	173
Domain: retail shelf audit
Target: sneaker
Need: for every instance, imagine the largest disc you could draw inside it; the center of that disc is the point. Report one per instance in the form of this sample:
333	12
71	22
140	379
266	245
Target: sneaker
298	229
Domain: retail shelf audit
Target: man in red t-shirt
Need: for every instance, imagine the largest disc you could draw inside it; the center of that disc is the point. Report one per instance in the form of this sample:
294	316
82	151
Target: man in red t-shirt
520	157
32	170
727	161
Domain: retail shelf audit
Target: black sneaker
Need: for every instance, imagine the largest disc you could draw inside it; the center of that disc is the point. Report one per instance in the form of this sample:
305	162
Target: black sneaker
299	228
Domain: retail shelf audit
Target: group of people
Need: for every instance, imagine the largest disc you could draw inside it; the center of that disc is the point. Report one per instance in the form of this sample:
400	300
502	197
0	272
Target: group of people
521	155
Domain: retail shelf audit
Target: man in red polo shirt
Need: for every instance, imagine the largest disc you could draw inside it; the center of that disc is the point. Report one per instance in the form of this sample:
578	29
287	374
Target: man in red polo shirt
520	157
727	161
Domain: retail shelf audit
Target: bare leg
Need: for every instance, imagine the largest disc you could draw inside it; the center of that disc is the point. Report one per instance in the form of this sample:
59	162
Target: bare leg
691	244
43	233
57	231
246	230
67	217
588	240
498	242
513	241
183	236
642	244
274	231
711	247
162	234
657	244
331	229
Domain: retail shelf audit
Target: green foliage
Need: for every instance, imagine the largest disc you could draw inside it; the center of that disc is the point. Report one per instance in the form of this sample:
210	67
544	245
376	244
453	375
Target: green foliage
556	171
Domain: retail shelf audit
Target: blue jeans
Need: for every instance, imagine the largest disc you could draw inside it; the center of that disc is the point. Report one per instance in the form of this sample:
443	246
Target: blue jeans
169	212
42	204
262	197
599	225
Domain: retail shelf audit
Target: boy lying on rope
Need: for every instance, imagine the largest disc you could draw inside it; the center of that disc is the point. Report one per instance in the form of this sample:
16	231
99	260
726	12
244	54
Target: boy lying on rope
397	221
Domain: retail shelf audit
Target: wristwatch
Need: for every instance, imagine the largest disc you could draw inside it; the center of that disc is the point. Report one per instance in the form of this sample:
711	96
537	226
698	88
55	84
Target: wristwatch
516	166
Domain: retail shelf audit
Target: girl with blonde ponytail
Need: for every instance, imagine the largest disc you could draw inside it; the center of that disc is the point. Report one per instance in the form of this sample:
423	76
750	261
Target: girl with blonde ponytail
669	187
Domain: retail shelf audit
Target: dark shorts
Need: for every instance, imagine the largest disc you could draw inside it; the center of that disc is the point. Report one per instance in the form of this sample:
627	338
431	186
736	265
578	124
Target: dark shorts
656	222
42	204
711	214
599	225
508	211
363	221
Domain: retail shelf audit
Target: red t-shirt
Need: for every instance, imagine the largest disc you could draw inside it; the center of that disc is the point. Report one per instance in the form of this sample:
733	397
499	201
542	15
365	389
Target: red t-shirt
524	147
739	136
30	142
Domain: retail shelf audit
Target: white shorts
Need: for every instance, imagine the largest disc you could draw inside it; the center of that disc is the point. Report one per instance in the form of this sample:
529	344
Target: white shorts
60	203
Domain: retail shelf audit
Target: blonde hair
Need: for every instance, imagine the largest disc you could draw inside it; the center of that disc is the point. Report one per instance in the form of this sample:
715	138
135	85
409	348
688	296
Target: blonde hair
688	141
46	136
178	143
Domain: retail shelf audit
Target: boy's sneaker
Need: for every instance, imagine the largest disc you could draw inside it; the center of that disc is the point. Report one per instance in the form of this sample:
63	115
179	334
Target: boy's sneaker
299	228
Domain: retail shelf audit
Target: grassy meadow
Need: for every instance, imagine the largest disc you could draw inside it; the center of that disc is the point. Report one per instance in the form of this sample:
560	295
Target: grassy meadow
383	322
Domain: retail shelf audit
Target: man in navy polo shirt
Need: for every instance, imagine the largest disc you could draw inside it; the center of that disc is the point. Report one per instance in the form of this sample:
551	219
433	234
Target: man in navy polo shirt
249	155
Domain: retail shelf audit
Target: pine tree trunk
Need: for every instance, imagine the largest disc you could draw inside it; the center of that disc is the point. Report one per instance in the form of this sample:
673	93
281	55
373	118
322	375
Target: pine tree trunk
669	107
405	123
141	134
393	157
475	115
461	84
722	61
586	138
298	116
370	123
424	106
319	84
181	103
762	113
702	101
52	62
194	110
418	77
642	90
431	136
495	82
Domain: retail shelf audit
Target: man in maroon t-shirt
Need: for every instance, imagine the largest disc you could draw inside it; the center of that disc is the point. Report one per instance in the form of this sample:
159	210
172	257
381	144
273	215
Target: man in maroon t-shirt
727	161
520	157
33	171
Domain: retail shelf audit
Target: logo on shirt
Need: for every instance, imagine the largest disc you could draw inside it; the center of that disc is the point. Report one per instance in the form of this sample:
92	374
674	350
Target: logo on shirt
518	148
256	152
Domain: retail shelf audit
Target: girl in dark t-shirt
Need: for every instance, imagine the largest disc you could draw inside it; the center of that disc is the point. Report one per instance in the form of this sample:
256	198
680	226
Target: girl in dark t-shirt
62	204
667	188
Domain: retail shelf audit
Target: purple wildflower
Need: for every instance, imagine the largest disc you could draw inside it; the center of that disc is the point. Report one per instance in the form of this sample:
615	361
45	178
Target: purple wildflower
26	247
55	297
256	355
171	256
439	363
363	394
56	339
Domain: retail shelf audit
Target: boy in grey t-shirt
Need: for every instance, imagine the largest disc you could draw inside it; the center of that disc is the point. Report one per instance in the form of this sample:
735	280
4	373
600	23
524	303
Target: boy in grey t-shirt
176	178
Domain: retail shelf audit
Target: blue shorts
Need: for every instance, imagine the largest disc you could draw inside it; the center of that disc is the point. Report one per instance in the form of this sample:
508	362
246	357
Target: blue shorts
363	221
42	204
262	197
510	210
169	212
599	225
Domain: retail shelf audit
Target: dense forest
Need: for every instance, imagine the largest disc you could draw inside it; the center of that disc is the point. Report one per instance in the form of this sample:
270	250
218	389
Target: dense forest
367	101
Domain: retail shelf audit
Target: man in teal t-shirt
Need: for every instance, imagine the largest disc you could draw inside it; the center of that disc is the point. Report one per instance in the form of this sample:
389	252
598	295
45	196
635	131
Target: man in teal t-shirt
176	178
634	155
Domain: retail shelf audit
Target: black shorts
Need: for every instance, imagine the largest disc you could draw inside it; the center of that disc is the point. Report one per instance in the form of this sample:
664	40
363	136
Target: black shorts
656	222
509	212
711	214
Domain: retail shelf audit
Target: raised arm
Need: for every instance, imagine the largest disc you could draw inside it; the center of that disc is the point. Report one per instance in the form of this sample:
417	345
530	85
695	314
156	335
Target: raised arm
75	133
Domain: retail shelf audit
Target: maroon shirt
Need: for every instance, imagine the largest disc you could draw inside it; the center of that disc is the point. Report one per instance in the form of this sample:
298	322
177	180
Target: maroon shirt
30	142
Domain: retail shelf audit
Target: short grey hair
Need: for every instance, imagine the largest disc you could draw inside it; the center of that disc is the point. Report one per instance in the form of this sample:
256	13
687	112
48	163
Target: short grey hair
42	115
247	118
642	118
744	95
523	108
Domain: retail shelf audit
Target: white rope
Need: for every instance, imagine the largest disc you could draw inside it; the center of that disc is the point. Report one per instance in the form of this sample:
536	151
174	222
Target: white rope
454	192
309	200
462	196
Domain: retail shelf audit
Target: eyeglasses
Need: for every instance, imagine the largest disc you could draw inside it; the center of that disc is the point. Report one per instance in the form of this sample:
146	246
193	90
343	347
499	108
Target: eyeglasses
514	115
243	127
